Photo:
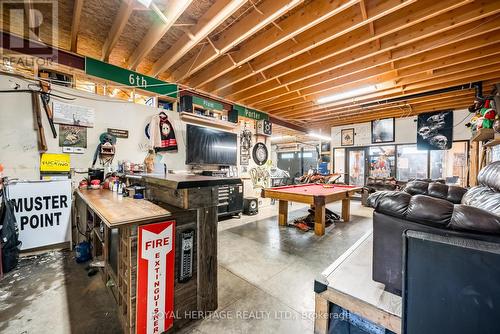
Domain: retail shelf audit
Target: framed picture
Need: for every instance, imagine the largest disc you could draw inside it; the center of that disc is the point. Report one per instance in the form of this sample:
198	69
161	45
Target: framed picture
383	130
347	137
325	147
435	130
72	136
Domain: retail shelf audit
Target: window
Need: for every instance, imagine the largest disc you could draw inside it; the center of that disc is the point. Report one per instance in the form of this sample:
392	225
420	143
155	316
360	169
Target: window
412	163
339	162
450	165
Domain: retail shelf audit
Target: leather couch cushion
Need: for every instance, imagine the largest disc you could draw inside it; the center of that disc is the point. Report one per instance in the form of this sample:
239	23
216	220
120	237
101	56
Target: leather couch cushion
489	176
417	187
467	218
438	190
483	197
455	194
392	203
430	211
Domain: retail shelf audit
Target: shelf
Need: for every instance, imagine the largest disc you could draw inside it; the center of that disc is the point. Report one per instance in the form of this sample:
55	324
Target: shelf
204	120
494	142
483	134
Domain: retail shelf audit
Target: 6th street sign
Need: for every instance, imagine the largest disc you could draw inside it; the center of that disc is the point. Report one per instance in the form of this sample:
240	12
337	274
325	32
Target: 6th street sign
126	77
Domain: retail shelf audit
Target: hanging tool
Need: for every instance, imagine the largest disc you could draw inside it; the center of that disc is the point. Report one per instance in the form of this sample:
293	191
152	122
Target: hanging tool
45	96
37	115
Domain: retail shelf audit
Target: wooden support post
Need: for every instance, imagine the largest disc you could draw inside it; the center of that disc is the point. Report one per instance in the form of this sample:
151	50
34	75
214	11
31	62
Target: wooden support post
321	315
319	216
474	163
283	213
319	220
346	209
207	258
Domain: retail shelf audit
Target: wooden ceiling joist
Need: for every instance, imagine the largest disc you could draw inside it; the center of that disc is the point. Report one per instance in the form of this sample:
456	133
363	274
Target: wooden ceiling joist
360	45
263	13
452	37
382	61
173	10
121	19
467	95
461	52
216	14
75	24
330	41
309	16
429	85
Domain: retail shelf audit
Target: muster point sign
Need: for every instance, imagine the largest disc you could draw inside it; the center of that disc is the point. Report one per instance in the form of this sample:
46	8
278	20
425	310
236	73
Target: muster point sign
155	277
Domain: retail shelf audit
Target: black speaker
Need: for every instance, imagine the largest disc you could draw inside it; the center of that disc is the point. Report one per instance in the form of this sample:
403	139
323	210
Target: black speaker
250	206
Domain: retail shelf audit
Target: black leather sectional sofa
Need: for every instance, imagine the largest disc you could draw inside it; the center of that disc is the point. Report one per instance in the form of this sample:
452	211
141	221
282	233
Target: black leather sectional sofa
431	207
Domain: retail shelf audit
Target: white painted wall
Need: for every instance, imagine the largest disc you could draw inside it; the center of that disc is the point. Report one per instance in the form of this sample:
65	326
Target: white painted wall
405	130
18	139
19	149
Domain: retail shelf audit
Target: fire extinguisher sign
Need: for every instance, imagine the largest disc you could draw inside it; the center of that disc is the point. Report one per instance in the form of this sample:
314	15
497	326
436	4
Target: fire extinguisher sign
155	278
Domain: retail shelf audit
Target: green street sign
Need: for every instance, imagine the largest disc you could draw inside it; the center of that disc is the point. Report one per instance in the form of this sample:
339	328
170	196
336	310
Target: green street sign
126	77
207	104
250	113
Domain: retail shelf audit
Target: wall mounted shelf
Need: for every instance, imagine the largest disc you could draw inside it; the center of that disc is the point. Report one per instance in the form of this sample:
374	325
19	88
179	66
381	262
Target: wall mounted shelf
209	121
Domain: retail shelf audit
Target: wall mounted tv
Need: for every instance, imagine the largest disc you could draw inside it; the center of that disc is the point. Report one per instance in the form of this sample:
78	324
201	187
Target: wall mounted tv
207	146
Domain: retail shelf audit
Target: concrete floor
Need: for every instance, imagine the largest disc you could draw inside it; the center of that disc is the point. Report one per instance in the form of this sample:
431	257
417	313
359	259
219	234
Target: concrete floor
266	275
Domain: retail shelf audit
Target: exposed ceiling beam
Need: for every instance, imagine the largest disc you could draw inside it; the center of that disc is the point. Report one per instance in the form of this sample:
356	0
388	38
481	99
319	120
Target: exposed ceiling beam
400	28
260	16
173	10
310	15
366	57
487	73
75	25
348	25
121	19
455	53
485	64
215	15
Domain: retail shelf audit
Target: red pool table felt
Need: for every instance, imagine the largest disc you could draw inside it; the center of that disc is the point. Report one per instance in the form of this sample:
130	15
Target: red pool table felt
313	189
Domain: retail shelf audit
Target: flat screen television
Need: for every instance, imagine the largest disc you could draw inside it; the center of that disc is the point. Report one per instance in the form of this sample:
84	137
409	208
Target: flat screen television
207	146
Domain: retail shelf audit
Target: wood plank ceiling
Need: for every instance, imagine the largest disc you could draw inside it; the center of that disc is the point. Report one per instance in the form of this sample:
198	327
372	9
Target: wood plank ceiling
281	56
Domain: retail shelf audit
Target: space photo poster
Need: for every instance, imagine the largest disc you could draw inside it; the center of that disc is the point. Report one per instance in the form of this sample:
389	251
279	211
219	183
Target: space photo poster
435	130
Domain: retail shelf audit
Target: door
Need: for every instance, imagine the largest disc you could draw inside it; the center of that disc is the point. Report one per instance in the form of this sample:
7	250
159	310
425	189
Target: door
356	166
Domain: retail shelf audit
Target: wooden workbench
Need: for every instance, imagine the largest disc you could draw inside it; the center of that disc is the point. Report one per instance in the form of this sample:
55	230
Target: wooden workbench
118	218
116	210
348	283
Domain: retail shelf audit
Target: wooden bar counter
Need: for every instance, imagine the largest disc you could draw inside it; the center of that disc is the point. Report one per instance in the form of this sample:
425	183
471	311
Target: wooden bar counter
111	224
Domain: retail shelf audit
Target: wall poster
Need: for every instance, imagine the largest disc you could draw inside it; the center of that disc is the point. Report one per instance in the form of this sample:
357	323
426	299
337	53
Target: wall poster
72	114
72	136
435	130
42	210
383	130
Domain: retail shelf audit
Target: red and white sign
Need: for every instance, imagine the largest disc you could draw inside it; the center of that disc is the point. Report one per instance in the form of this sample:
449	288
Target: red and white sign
155	278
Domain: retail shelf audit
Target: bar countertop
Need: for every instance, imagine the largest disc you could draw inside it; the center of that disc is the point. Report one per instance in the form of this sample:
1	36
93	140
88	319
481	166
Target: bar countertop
185	181
117	210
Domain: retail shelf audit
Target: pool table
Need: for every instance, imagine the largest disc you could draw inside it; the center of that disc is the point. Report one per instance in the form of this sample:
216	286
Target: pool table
317	195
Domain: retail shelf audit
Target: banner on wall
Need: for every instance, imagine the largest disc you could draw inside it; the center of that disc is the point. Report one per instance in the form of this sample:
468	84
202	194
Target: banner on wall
155	278
42	211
